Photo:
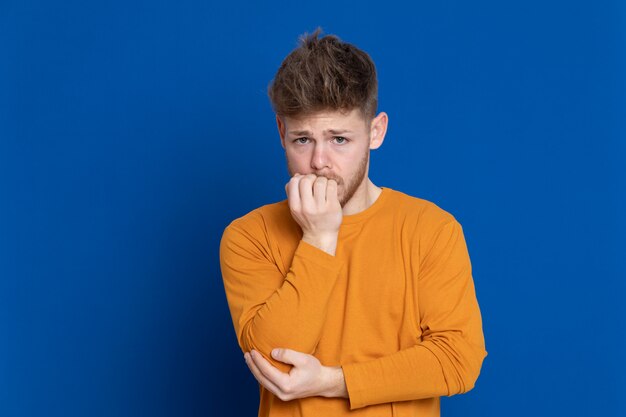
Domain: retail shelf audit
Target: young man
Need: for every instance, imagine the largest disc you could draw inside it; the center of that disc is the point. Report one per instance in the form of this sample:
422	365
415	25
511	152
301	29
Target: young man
347	298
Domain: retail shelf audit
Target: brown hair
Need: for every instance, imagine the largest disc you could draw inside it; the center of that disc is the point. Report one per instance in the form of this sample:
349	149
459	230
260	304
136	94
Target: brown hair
324	74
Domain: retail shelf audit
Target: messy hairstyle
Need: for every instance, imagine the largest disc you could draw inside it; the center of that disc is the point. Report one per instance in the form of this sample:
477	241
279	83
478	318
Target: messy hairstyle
324	74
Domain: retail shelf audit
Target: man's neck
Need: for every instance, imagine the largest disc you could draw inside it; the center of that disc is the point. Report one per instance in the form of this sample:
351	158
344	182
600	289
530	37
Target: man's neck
363	198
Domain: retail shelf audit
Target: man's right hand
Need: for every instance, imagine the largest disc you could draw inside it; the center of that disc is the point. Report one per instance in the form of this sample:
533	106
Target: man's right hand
315	207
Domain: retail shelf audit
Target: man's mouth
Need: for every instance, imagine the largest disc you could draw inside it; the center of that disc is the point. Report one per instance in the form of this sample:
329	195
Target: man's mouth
336	179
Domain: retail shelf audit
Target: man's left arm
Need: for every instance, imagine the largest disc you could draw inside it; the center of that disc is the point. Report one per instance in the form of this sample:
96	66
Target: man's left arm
447	360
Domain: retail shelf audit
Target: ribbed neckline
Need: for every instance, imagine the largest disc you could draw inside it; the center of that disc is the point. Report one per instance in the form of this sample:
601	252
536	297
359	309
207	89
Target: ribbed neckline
370	211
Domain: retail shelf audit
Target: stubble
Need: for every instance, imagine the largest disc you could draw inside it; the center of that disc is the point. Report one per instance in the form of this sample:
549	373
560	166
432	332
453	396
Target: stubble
351	186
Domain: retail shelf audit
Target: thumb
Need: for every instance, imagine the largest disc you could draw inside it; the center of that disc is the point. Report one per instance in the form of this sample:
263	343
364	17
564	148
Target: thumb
289	356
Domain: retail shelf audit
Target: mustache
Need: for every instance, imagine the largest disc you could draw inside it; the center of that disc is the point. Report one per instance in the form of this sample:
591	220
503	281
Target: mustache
337	179
327	175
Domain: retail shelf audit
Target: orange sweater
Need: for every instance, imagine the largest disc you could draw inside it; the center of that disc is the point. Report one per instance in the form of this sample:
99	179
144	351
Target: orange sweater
395	307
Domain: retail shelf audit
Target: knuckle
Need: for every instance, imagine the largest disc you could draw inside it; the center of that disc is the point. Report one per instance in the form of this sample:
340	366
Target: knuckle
308	211
287	389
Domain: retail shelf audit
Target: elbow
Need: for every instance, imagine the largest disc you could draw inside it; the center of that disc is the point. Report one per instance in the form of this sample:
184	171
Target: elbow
264	336
461	362
467	375
248	340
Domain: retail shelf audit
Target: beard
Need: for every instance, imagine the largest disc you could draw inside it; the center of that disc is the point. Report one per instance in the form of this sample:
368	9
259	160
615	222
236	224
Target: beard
345	187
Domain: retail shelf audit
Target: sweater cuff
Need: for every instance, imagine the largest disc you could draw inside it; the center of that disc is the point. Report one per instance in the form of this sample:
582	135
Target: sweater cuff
317	256
356	391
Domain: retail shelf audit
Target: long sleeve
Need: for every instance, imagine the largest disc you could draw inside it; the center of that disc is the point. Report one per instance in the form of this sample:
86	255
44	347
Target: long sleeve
270	309
449	356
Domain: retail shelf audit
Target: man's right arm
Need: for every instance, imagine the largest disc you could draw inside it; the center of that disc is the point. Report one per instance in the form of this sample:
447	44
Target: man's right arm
269	309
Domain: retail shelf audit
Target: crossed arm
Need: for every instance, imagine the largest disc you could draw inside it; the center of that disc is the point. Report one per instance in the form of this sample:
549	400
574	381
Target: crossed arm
271	310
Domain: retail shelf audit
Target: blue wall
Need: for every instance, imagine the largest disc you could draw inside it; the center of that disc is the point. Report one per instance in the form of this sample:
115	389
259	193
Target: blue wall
132	133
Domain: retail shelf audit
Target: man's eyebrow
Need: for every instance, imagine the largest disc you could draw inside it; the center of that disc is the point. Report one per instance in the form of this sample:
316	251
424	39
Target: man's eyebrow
339	131
300	132
307	133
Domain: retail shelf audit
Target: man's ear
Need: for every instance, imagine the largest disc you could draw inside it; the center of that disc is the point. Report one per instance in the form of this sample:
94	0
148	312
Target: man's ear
378	129
281	130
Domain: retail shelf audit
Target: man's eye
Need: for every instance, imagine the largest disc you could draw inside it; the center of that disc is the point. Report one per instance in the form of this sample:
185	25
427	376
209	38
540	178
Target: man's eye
340	140
302	140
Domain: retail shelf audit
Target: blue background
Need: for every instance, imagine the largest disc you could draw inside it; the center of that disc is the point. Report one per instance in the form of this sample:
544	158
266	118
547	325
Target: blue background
132	133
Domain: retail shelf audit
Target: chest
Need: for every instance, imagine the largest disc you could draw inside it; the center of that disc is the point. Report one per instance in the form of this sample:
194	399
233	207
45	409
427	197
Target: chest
372	309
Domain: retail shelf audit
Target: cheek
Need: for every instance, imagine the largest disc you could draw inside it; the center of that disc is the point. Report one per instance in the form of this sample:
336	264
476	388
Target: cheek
350	166
297	160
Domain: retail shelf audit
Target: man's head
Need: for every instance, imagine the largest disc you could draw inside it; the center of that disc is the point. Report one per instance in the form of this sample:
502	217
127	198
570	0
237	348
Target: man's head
325	98
324	73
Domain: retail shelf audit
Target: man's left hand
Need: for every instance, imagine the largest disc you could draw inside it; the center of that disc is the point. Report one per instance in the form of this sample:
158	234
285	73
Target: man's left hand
307	378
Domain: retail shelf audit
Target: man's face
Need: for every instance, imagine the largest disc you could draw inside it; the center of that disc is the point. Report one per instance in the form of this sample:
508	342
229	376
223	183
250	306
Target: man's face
330	143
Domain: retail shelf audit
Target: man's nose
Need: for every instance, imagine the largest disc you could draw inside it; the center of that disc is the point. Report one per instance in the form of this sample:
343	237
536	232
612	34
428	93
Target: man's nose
320	158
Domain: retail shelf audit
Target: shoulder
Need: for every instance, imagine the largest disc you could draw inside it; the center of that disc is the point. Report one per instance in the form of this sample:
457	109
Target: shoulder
260	222
424	214
433	229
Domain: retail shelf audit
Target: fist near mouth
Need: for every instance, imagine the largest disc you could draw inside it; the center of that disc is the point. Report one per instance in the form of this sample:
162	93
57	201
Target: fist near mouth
314	205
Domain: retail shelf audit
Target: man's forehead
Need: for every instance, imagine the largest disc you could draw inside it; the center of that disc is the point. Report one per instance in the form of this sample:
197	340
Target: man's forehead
333	121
